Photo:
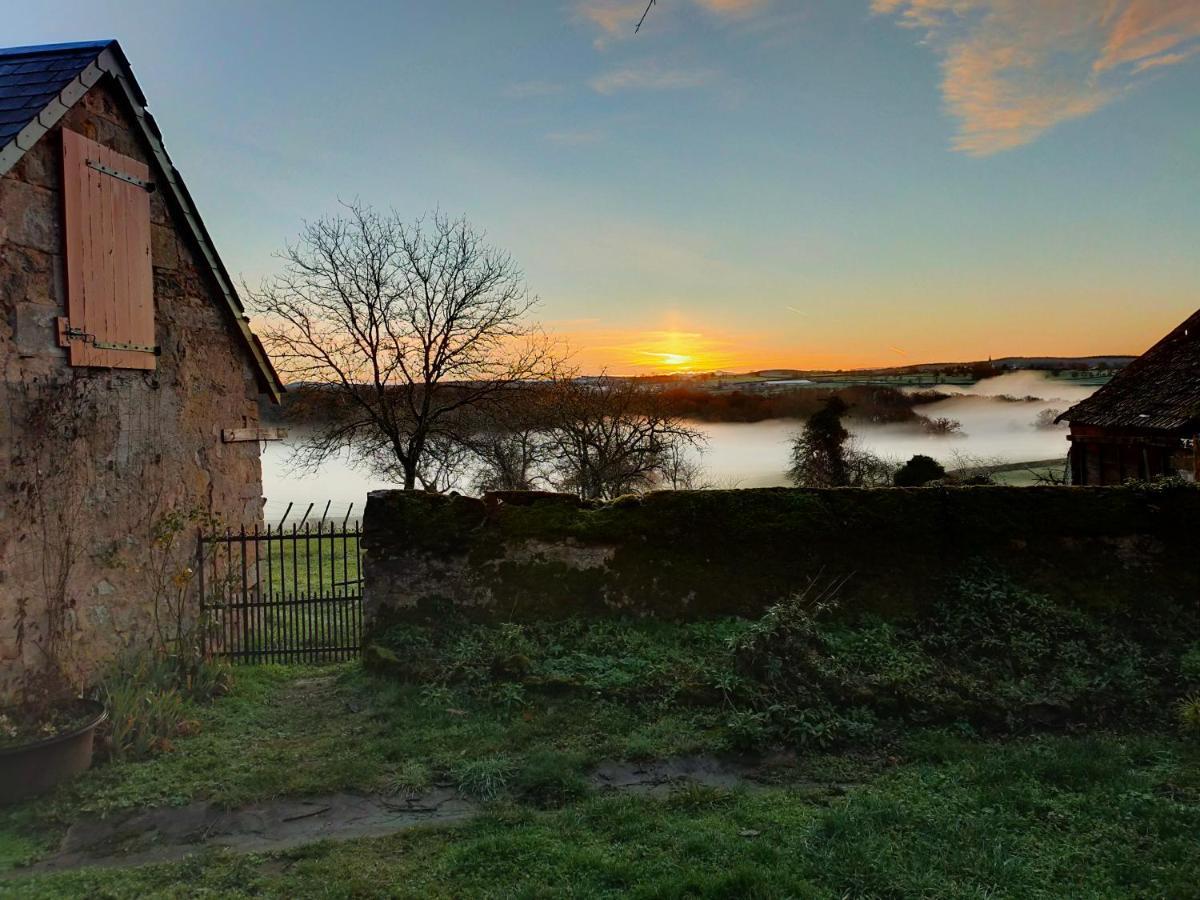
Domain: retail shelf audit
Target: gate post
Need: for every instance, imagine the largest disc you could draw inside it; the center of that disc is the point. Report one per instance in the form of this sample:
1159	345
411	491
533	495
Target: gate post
203	623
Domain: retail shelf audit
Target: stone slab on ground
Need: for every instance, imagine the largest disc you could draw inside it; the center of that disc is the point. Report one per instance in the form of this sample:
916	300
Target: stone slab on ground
171	833
167	834
662	776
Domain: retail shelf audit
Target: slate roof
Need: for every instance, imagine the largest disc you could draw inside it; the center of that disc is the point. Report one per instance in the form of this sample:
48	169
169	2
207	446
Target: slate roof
30	77
1159	391
39	84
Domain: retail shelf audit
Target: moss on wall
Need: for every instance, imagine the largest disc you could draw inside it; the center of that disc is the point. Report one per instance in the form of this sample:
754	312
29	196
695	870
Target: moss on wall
699	554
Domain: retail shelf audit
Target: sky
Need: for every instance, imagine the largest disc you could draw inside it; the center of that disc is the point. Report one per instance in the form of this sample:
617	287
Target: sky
742	184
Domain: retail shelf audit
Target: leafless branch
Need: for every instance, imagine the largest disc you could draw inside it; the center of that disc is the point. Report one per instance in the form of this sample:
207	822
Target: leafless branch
403	326
642	20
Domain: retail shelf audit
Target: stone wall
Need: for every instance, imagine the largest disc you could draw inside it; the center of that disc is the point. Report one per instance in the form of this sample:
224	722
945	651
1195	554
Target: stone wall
685	555
92	459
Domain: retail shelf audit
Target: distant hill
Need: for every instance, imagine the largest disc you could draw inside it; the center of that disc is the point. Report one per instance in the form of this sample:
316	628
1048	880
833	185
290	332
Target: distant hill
1004	363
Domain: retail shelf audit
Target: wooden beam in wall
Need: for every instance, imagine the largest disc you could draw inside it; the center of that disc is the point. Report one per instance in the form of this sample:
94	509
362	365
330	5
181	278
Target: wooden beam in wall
244	435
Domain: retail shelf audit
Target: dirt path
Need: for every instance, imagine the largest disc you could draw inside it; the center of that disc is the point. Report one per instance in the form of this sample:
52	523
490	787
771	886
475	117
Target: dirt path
172	833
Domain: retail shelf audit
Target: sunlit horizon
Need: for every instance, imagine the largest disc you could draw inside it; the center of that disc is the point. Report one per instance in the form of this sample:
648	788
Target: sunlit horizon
744	184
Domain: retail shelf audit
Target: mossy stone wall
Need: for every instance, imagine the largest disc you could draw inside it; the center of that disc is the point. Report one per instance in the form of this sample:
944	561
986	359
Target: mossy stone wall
690	555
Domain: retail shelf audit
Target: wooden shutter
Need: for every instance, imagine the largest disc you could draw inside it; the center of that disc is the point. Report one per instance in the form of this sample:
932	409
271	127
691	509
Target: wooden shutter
110	284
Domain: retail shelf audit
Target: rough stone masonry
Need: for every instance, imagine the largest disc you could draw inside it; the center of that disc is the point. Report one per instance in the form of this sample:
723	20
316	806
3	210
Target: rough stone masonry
93	460
688	555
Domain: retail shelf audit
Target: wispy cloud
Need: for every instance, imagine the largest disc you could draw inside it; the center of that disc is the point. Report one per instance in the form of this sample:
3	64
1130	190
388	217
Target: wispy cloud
611	17
650	77
616	19
1013	69
638	351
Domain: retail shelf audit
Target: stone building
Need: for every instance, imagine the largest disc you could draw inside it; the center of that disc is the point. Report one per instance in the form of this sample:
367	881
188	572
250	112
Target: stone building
129	378
1145	423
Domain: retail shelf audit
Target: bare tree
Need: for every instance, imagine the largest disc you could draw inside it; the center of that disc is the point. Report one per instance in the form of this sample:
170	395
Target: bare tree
682	471
1047	420
407	325
611	437
941	426
511	444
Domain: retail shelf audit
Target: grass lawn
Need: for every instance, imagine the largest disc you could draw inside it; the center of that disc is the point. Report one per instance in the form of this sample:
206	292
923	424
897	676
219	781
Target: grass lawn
934	814
315	566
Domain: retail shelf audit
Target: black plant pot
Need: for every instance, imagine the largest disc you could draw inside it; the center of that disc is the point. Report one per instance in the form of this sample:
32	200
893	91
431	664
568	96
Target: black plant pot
32	769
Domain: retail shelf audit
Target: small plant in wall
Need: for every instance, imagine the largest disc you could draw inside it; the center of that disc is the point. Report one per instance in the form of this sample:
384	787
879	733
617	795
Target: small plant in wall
167	569
149	689
47	736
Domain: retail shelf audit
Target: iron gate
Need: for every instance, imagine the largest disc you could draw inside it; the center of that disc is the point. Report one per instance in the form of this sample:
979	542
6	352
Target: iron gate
282	595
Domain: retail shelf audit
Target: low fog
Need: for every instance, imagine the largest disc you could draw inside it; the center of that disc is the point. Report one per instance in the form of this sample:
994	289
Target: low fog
748	455
995	430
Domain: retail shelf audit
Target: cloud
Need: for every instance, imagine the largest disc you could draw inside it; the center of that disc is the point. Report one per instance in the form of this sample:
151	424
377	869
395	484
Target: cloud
732	7
622	351
1013	69
616	18
1147	33
643	77
611	17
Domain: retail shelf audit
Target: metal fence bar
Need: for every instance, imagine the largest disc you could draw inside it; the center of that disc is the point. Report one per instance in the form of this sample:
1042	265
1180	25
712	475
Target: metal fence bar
261	620
260	610
292	617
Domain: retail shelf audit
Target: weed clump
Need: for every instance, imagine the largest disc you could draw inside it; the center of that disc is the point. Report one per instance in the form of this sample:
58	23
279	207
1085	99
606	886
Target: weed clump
149	697
989	657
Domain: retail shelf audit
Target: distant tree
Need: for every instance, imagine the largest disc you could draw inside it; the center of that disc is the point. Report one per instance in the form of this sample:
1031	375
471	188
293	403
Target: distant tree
819	451
611	436
681	471
918	471
865	469
1046	419
824	454
510	444
445	460
981	370
407	325
942	426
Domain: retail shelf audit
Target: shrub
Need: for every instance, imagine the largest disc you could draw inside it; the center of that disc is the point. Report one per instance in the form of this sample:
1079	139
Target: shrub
409	777
989	656
483	779
147	697
918	471
1188	711
1189	666
942	426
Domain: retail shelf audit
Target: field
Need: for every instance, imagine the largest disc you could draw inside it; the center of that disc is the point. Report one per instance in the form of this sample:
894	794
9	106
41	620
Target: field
518	724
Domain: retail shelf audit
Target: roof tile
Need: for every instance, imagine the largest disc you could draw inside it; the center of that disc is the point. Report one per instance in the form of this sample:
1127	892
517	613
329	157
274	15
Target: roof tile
1159	391
31	78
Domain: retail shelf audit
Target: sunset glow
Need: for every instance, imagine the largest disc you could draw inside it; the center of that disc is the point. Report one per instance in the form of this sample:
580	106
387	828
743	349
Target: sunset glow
744	184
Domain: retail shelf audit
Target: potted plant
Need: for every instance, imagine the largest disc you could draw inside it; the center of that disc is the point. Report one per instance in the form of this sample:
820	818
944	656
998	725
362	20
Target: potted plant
45	745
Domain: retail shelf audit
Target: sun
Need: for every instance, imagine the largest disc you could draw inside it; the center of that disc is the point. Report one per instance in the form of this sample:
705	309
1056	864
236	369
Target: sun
672	360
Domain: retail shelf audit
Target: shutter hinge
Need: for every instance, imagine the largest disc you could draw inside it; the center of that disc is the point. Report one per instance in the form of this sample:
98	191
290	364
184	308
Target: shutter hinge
147	186
66	334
